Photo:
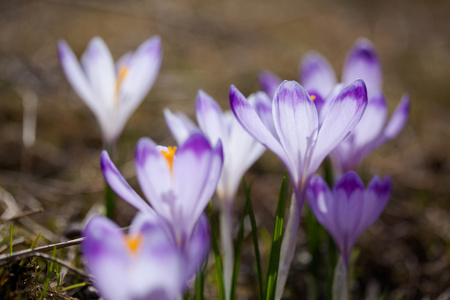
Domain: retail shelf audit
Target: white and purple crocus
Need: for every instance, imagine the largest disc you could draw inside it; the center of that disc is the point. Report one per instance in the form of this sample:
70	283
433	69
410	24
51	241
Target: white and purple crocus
290	127
146	263
319	79
112	91
177	182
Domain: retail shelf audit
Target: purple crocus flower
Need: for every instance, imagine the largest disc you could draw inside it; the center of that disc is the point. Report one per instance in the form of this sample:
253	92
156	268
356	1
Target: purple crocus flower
349	209
319	79
240	152
112	91
291	128
146	263
177	182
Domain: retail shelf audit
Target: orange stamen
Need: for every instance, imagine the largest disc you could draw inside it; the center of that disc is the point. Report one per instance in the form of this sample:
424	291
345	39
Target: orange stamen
169	153
313	97
133	243
123	71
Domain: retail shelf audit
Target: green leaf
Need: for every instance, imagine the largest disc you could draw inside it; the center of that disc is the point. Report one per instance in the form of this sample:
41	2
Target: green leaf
251	215
217	257
274	261
237	257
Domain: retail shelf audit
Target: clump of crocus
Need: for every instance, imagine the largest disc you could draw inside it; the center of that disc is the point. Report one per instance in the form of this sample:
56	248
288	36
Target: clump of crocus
349	209
291	128
112	91
319	79
146	263
177	182
240	151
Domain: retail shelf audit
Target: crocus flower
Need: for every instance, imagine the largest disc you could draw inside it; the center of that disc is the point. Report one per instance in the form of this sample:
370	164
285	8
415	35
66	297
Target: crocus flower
112	91
146	263
349	209
240	151
177	182
291	129
319	79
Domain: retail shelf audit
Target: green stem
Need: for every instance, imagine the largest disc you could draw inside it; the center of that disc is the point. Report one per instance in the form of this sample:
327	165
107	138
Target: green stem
340	281
110	197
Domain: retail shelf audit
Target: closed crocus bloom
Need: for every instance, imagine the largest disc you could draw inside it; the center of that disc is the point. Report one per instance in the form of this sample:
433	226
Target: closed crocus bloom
177	182
240	151
112	91
349	209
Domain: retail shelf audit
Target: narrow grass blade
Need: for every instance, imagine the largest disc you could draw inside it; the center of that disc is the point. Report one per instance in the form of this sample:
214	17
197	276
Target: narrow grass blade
49	276
274	261
11	239
251	215
237	258
217	257
74	286
200	282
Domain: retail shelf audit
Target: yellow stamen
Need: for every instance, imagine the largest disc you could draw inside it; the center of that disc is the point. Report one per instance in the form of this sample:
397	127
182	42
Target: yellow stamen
123	71
133	243
169	153
313	97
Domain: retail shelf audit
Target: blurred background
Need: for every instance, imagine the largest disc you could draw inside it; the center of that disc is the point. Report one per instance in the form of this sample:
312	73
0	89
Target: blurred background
208	45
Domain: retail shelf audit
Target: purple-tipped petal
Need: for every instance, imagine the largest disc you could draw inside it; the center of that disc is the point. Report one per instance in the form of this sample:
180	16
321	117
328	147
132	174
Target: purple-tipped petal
106	257
348	208
269	82
197	247
263	107
119	185
76	77
154	176
209	117
343	116
249	119
179	125
100	70
316	74
296	122
363	63
319	199
192	175
398	118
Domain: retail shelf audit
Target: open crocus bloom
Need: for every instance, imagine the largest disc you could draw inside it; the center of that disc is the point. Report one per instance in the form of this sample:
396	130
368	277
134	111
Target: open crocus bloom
112	91
291	127
319	79
240	149
146	263
349	209
178	183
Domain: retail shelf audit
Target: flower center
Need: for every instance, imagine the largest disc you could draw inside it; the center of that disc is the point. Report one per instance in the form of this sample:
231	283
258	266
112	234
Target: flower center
133	243
313	97
169	153
123	71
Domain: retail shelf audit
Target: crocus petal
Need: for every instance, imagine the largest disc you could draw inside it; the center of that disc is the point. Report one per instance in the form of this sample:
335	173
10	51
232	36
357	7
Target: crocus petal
195	154
269	82
263	107
209	117
142	71
375	199
296	122
398	119
119	185
106	257
320	199
347	210
99	66
179	125
154	176
343	116
316	74
363	63
76	76
197	247
249	119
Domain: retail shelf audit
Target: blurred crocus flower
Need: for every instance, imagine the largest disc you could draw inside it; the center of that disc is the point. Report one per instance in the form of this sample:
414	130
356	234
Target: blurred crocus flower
292	130
240	151
146	263
349	209
177	182
112	91
319	79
